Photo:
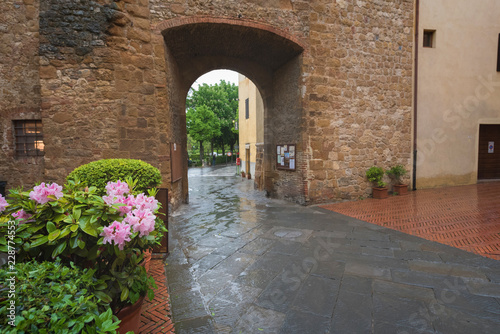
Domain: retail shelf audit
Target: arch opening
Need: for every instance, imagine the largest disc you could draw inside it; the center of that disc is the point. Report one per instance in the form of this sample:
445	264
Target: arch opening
271	60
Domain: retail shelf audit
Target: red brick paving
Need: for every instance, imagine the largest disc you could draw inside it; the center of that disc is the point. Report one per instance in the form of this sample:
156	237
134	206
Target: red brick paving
466	217
155	317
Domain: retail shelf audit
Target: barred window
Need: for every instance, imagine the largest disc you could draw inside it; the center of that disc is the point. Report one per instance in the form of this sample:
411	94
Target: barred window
29	138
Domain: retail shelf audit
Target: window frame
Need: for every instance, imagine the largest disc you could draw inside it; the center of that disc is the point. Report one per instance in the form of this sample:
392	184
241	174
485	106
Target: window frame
247	108
28	138
430	37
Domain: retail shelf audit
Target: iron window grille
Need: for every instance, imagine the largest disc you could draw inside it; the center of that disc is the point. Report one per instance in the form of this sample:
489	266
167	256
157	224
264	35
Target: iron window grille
29	138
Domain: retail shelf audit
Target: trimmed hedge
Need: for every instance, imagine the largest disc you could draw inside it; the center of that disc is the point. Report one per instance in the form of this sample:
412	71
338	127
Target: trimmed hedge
99	173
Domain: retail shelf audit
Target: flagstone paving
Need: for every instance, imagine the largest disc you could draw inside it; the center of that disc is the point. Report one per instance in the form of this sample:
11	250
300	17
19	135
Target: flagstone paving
244	263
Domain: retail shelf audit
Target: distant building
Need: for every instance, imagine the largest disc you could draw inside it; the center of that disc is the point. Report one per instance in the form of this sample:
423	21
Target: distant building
251	124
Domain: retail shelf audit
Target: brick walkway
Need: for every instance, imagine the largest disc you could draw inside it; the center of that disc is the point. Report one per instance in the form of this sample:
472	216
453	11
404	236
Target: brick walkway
466	217
156	314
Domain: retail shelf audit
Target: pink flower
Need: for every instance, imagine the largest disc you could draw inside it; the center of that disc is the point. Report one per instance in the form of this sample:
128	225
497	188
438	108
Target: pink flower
117	188
142	221
22	216
146	203
3	203
120	199
40	193
118	233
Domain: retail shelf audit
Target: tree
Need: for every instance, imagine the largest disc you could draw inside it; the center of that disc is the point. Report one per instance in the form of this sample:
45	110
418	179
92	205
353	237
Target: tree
222	99
202	124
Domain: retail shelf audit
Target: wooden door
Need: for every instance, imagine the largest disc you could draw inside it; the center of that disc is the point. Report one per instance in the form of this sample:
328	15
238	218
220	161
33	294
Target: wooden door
247	160
489	152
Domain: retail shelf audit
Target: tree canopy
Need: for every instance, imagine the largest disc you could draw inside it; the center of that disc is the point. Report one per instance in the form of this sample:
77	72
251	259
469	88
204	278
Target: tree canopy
222	100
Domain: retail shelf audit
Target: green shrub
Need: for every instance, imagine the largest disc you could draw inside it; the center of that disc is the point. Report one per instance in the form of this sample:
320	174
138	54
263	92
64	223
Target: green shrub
397	172
375	175
52	298
99	173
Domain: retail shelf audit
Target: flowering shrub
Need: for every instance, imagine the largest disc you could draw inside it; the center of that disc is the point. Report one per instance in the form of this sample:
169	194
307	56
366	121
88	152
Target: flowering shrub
3	203
107	233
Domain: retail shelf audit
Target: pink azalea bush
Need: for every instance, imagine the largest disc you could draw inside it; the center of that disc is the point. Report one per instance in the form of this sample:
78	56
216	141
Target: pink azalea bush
41	193
76	224
22	216
138	212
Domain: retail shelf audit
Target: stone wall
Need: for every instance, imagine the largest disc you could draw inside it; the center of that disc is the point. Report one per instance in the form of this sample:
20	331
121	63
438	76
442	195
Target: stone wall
19	87
357	94
335	77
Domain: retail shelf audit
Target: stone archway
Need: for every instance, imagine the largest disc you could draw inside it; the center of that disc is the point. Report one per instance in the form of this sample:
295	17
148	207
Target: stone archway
269	57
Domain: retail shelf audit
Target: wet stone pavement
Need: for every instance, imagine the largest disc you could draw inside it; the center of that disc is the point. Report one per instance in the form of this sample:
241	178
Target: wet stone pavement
244	263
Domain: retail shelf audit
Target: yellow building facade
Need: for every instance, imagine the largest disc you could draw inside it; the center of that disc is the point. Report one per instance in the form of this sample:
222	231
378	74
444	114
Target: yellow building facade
251	124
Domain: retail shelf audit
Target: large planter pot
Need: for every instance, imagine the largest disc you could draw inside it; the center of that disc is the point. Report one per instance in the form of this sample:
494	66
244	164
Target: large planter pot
401	189
380	193
130	317
249	176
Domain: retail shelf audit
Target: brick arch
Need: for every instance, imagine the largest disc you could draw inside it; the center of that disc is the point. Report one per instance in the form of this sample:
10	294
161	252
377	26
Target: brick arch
181	21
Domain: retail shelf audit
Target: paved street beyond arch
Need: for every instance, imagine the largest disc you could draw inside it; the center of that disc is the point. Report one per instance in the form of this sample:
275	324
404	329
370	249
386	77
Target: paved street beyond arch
244	263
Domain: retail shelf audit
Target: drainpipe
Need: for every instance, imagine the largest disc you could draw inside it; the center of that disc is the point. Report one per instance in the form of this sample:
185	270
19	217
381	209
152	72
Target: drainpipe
415	94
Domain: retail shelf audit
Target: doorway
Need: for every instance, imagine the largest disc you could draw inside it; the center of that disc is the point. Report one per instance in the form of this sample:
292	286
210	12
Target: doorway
489	152
247	160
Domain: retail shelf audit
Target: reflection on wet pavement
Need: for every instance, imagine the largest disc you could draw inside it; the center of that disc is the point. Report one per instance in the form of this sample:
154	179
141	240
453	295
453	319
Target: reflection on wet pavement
244	263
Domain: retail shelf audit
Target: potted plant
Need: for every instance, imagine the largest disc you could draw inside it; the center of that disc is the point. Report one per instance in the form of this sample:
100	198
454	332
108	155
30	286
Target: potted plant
375	175
50	296
108	233
396	173
243	173
249	176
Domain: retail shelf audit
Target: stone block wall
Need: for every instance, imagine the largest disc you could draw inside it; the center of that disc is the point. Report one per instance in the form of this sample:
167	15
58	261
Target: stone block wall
357	94
19	87
106	85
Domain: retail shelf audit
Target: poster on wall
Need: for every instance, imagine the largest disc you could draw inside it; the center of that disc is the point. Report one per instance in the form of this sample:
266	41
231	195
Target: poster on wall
285	157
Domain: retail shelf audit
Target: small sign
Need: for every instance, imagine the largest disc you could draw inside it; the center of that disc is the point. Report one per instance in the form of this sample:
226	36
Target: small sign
229	154
491	147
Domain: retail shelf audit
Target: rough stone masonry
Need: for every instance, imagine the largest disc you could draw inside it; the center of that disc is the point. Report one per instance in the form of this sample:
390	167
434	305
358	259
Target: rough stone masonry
108	79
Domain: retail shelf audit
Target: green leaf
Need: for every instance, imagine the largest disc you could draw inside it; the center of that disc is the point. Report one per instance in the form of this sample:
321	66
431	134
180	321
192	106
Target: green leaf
87	227
73	228
124	294
53	236
103	296
77	213
65	232
40	241
59	217
59	249
51	227
151	294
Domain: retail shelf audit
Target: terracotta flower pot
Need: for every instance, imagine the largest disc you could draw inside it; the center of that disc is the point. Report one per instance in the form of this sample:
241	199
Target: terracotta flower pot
380	193
401	189
130	317
249	176
242	174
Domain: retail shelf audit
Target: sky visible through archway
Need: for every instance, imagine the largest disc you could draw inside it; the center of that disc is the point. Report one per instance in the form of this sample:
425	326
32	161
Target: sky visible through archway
214	77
